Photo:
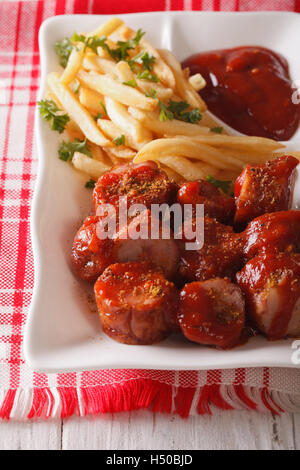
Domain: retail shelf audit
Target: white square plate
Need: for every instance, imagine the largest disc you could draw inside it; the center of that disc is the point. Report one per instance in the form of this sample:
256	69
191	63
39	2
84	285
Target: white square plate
61	333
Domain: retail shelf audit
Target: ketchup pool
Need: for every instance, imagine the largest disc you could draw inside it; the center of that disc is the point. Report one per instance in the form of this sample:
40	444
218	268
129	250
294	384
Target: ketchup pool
250	89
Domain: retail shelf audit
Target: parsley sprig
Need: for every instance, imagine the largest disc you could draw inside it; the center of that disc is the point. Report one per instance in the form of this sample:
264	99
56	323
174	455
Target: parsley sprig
67	149
76	87
164	112
63	49
101	115
118	53
223	185
121	52
131	83
91	42
151	93
146	75
51	112
217	130
90	184
178	110
119	140
98	116
142	58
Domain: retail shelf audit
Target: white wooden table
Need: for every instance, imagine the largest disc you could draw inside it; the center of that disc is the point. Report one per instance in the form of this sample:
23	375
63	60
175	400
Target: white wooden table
238	430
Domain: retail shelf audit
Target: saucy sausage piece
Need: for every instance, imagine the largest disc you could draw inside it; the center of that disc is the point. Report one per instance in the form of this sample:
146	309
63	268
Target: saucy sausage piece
136	303
220	256
278	231
216	205
271	285
264	188
212	313
142	183
142	239
90	255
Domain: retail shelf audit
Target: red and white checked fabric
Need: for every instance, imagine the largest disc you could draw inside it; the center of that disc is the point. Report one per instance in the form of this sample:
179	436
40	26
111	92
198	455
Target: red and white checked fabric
24	393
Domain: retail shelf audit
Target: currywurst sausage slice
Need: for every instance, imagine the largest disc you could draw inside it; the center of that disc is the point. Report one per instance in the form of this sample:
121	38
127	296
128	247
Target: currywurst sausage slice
212	313
271	285
136	303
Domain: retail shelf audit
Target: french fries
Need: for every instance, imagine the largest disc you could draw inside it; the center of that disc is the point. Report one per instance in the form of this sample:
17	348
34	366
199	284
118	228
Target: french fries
123	152
127	108
169	128
76	112
124	72
90	166
183	86
135	132
256	144
92	62
197	81
74	64
183	166
184	147
91	100
161	92
108	86
107	28
161	68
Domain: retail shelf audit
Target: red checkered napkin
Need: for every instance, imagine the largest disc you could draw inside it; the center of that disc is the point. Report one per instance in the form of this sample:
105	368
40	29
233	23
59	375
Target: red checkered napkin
23	392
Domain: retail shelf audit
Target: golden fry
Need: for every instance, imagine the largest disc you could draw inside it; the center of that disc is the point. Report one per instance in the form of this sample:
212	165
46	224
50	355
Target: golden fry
107	28
169	128
107	86
76	111
136	133
91	99
186	147
99	64
91	167
73	65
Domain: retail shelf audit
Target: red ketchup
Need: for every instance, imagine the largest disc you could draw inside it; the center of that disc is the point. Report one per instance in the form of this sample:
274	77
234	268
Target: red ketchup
250	89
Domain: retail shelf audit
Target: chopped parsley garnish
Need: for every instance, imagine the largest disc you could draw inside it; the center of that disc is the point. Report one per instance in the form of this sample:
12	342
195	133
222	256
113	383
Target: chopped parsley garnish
67	149
90	184
50	111
76	87
98	116
178	110
192	116
143	58
63	49
178	107
151	93
91	42
101	115
146	75
119	53
119	140
164	112
217	130
131	83
103	107
223	185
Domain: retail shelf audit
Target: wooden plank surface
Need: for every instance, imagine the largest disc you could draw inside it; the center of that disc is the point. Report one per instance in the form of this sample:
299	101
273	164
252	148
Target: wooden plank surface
296	426
40	435
239	430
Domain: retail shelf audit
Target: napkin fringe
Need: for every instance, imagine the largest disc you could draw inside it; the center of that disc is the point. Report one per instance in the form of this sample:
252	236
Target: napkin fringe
60	402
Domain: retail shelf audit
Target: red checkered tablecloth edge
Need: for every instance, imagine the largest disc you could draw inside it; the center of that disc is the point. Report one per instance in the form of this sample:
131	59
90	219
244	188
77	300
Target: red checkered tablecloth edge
27	394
